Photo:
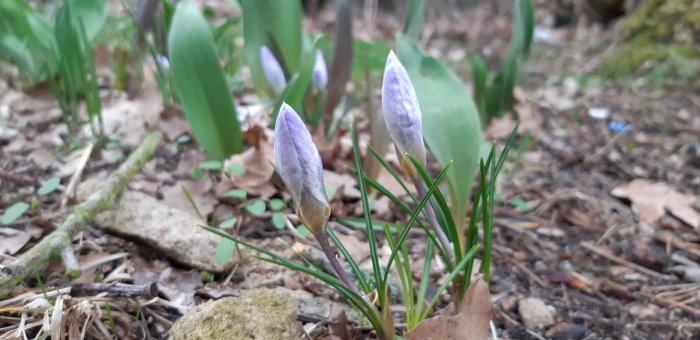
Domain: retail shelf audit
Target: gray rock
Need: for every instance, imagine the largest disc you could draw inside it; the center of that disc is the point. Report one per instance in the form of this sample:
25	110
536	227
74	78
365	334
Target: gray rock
260	314
535	313
172	231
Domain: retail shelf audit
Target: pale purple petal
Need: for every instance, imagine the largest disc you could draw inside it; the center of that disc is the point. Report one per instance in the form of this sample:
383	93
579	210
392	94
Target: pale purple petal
319	77
401	110
300	166
272	69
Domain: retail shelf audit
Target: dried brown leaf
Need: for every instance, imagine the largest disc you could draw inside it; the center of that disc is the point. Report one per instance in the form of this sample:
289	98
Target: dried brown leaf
473	319
651	200
258	171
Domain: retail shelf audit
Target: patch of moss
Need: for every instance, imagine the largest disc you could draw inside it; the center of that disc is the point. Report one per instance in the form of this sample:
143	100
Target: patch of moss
656	30
260	314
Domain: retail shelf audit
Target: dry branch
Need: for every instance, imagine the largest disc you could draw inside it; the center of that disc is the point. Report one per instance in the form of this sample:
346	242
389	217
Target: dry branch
103	199
149	290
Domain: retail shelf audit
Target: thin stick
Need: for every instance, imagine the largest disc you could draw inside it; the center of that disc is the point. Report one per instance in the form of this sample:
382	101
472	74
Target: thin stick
82	214
70	262
18	178
671	303
433	218
73	183
673	324
148	290
531	274
333	259
626	263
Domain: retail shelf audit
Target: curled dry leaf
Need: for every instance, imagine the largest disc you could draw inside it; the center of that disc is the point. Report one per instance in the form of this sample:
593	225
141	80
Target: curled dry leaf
650	201
473	319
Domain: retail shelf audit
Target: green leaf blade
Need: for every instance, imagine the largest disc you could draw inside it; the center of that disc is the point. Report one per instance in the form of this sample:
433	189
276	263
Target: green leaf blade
201	85
49	186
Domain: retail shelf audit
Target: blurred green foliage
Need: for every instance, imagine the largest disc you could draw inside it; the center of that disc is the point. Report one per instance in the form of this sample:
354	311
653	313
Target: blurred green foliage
200	83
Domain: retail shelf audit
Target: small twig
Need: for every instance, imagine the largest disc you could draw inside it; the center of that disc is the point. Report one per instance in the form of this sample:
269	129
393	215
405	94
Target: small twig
607	146
148	290
102	260
674	324
671	303
494	334
625	263
73	183
607	233
70	262
17	178
531	274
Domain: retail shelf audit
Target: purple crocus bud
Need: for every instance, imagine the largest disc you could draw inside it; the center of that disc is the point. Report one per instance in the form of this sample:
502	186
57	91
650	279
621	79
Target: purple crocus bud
272	69
300	167
319	77
402	113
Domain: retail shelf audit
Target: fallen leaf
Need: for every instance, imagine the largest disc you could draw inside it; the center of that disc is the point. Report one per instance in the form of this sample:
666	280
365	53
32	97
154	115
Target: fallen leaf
651	200
530	121
199	189
335	180
130	118
12	240
473	319
500	127
358	250
173	123
255	180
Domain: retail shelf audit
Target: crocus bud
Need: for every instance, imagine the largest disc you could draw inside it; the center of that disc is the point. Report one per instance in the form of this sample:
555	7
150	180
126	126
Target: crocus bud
319	77
402	113
272	69
300	167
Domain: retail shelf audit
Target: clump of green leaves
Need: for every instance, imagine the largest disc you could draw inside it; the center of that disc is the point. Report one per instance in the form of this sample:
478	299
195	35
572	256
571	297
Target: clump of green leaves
26	39
77	78
493	92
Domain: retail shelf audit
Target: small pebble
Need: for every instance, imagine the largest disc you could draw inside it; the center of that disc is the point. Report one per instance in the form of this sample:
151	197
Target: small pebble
535	313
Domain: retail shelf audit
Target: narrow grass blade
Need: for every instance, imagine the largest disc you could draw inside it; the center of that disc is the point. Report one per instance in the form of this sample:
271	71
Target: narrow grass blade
414	217
359	275
449	227
391	171
469	256
414	19
403	268
356	300
425	279
192	202
376	269
443	253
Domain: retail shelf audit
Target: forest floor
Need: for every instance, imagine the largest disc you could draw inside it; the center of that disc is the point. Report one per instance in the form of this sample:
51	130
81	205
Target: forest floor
598	216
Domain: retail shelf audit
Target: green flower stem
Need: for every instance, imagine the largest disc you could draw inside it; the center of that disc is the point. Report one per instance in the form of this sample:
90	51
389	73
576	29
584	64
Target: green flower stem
433	218
333	259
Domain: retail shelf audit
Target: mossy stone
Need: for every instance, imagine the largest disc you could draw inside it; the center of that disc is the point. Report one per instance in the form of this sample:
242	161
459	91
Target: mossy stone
260	314
656	30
